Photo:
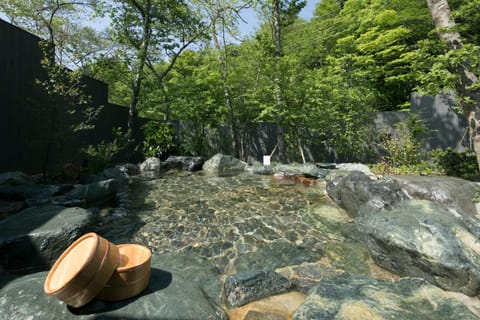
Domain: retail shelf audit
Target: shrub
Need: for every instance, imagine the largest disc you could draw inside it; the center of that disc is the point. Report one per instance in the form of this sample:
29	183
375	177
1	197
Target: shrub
159	139
402	149
101	155
457	164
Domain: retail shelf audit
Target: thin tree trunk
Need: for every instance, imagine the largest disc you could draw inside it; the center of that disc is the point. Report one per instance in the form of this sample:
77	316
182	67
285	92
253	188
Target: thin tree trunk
302	154
444	23
226	92
142	52
132	110
278	89
166	105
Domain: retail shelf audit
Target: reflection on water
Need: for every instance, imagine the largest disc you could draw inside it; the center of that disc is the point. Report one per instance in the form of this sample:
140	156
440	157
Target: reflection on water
244	222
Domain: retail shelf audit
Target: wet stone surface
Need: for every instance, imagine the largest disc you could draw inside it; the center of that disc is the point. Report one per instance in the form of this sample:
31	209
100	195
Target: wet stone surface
238	223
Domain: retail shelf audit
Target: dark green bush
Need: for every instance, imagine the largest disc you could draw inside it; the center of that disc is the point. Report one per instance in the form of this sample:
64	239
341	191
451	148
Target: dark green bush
101	155
159	139
457	164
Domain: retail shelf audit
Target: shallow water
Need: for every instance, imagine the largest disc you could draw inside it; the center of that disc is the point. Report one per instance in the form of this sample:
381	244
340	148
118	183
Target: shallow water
242	222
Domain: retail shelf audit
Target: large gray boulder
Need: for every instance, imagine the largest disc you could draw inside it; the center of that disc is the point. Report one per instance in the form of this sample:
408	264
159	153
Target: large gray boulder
169	295
10	204
223	164
434	239
353	190
151	164
350	297
423	239
359	167
34	238
35	194
184	163
305	169
89	194
81	195
119	173
447	191
15	178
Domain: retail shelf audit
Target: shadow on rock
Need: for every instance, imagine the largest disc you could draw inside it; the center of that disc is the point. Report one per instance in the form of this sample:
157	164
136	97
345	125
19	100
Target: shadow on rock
31	240
159	280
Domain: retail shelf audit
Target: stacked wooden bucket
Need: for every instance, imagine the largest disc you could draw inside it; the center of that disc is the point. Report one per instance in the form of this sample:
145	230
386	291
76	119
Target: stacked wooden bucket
94	267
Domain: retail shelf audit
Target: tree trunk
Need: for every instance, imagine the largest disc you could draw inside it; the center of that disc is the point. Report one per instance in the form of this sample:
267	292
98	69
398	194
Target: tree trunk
142	52
441	15
132	110
278	89
226	91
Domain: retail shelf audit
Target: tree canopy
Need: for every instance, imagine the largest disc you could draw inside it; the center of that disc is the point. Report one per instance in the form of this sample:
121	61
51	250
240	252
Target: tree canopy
318	80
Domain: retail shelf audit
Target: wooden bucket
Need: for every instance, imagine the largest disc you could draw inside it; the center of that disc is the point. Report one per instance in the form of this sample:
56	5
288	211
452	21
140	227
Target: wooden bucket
82	270
131	276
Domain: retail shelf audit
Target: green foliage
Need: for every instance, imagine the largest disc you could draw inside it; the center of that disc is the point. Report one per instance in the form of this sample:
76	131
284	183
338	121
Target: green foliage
403	155
457	164
66	92
476	198
115	73
101	155
424	167
68	106
61	23
403	149
332	72
435	67
159	139
467	18
194	142
151	34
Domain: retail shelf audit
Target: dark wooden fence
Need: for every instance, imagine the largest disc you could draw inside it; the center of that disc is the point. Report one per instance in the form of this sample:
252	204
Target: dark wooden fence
25	113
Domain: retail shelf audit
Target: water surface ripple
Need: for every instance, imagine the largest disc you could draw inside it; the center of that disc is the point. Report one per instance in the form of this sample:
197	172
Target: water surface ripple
243	222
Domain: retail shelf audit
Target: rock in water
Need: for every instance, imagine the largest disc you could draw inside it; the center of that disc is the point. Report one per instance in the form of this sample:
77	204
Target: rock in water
223	164
184	163
359	167
351	297
151	164
353	190
447	191
423	239
244	287
193	269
